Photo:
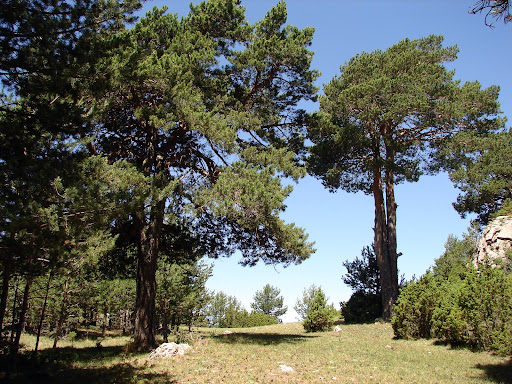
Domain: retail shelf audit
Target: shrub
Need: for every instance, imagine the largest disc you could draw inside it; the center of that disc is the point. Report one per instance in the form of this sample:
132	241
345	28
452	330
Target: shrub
486	304
459	303
245	319
415	307
474	308
448	321
362	307
319	316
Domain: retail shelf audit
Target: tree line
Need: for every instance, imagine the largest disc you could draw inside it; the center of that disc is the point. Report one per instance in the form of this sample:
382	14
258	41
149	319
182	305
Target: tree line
166	138
129	147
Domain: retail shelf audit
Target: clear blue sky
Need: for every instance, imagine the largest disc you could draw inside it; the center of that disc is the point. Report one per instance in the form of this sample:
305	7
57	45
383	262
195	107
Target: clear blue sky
341	224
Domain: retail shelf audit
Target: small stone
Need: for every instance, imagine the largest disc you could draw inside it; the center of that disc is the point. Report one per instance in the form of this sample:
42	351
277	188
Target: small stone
286	369
337	329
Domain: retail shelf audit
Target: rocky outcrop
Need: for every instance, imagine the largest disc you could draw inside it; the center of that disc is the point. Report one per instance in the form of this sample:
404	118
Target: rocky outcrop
495	241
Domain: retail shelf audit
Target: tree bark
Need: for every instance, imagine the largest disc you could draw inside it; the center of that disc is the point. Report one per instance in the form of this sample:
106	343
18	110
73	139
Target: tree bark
14	304
144	332
24	306
165	324
5	292
62	316
381	246
385	239
43	312
391	207
104	325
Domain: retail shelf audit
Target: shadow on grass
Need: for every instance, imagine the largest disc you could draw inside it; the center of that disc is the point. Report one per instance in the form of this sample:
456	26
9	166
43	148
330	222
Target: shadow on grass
69	355
82	365
456	345
261	338
92	334
499	373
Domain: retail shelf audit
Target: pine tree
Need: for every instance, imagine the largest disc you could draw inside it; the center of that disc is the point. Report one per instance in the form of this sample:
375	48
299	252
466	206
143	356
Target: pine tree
205	108
45	50
269	302
480	165
319	315
379	124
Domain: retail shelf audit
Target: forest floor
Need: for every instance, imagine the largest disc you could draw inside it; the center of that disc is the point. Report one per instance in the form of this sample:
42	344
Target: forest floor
358	354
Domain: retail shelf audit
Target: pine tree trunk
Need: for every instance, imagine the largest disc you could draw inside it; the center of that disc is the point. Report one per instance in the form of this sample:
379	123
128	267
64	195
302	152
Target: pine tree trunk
392	295
391	207
381	246
173	322
104	325
62	316
14	304
5	292
12	358
144	332
24	307
165	324
43	312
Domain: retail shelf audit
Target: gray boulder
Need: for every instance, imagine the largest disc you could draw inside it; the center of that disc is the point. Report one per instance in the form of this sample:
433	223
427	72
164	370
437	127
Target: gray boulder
495	241
169	349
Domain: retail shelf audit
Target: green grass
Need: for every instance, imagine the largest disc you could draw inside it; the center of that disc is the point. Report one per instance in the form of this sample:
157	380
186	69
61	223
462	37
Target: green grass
359	354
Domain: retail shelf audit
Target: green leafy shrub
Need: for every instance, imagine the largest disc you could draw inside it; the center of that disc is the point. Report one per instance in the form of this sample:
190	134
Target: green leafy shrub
505	210
448	322
474	309
414	308
362	307
319	316
246	319
486	303
458	303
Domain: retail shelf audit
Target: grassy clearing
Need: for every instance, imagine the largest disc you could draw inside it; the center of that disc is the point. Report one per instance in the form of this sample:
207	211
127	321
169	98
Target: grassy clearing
359	354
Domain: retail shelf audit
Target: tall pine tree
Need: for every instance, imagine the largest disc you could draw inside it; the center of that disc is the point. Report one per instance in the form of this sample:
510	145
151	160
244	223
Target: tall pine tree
205	107
379	124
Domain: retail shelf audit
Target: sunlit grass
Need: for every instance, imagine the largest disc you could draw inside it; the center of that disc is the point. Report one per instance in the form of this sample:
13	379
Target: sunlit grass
359	354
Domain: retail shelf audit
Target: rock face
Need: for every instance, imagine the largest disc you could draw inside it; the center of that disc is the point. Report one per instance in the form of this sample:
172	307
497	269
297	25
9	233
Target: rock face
495	241
169	349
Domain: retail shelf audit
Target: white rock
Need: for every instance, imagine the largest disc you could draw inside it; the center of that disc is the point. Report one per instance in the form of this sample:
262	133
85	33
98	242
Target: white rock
286	369
337	329
169	349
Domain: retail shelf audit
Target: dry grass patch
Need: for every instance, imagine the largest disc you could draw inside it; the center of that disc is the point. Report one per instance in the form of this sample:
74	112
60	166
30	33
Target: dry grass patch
358	354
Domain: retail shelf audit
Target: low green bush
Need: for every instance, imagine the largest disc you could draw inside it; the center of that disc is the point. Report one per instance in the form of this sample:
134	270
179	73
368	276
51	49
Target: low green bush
448	321
245	319
474	308
486	304
362	307
414	308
